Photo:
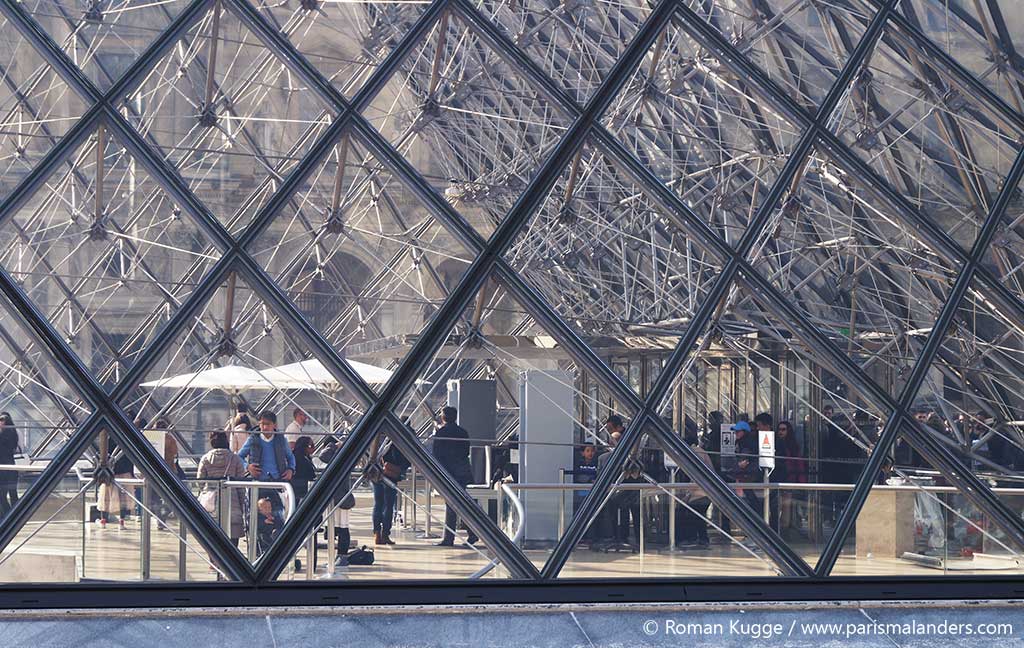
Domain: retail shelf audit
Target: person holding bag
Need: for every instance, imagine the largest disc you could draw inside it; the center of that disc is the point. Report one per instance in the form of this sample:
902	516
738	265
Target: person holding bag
221	463
385	478
343	502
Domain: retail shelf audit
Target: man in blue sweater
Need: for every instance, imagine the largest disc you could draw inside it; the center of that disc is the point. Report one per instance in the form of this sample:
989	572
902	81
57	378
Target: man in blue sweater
268	458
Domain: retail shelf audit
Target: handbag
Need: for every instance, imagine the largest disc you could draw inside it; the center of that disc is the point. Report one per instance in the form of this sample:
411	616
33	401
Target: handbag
392	471
208	498
360	556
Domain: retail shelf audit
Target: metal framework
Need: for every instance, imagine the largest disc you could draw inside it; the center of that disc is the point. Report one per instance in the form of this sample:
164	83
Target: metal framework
833	184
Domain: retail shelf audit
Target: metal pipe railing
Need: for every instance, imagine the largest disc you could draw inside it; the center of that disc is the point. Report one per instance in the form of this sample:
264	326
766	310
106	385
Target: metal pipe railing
761	486
521	512
223	514
23	468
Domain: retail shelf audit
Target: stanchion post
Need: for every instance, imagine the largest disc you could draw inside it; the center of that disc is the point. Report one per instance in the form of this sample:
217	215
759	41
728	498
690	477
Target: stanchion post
253	512
182	551
672	512
767	503
145	532
561	503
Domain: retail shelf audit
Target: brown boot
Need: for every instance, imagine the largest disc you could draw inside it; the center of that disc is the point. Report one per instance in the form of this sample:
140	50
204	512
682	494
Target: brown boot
378	538
386	537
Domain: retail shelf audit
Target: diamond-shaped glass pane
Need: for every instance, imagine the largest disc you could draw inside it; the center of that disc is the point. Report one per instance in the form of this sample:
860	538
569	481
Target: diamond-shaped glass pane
104	37
105	254
854	271
523	402
935	143
973	34
361	258
236	362
36	107
233	134
708	135
752	373
801	45
575	42
121	527
345	41
477	137
399	516
620	270
657	522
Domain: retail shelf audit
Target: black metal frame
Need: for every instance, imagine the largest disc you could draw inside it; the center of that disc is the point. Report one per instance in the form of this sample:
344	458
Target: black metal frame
256	586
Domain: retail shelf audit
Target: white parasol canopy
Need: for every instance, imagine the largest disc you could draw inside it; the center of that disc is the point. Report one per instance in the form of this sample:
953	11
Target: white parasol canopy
313	371
308	374
230	378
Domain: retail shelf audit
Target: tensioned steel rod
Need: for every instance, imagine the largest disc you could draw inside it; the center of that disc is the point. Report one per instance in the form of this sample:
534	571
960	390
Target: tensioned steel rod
733	263
294	533
846	520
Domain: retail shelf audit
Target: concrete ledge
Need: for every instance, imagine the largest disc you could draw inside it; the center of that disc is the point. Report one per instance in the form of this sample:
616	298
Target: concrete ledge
599	625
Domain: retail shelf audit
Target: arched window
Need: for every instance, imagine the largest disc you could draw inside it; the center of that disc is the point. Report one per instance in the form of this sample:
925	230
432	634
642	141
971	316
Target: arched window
322	295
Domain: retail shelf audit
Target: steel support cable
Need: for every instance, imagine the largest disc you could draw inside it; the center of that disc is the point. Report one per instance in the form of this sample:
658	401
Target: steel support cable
481	267
67	361
270	209
869	175
781	552
158	47
919	373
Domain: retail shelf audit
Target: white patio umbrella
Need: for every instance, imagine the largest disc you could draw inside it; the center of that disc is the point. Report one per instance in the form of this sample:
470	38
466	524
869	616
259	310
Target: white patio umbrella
308	374
232	379
313	371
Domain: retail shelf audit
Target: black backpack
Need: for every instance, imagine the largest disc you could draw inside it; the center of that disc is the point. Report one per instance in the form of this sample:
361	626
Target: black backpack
359	556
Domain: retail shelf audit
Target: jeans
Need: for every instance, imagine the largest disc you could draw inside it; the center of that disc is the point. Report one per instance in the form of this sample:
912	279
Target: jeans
383	506
8	497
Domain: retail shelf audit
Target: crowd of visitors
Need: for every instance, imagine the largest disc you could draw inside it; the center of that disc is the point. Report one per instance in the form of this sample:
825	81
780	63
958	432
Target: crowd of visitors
844	443
251	448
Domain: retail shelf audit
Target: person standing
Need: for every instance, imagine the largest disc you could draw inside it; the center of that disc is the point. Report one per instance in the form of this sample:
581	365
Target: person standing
795	471
713	439
692	525
451	449
113	498
240	427
268	458
222	464
746	470
294	429
124	469
305	471
343	501
385	478
9	446
584	472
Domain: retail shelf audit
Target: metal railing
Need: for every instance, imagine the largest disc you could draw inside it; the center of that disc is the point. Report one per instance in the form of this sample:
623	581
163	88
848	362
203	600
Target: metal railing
672	487
222	513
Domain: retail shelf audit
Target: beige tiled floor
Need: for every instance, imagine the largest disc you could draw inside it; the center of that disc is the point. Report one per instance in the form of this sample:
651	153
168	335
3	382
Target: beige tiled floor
114	554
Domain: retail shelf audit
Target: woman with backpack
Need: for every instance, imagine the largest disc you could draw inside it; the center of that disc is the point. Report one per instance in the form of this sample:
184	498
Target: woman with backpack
385	478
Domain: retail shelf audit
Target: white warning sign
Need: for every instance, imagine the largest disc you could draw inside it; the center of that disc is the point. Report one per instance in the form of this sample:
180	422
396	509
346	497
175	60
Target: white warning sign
766	449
